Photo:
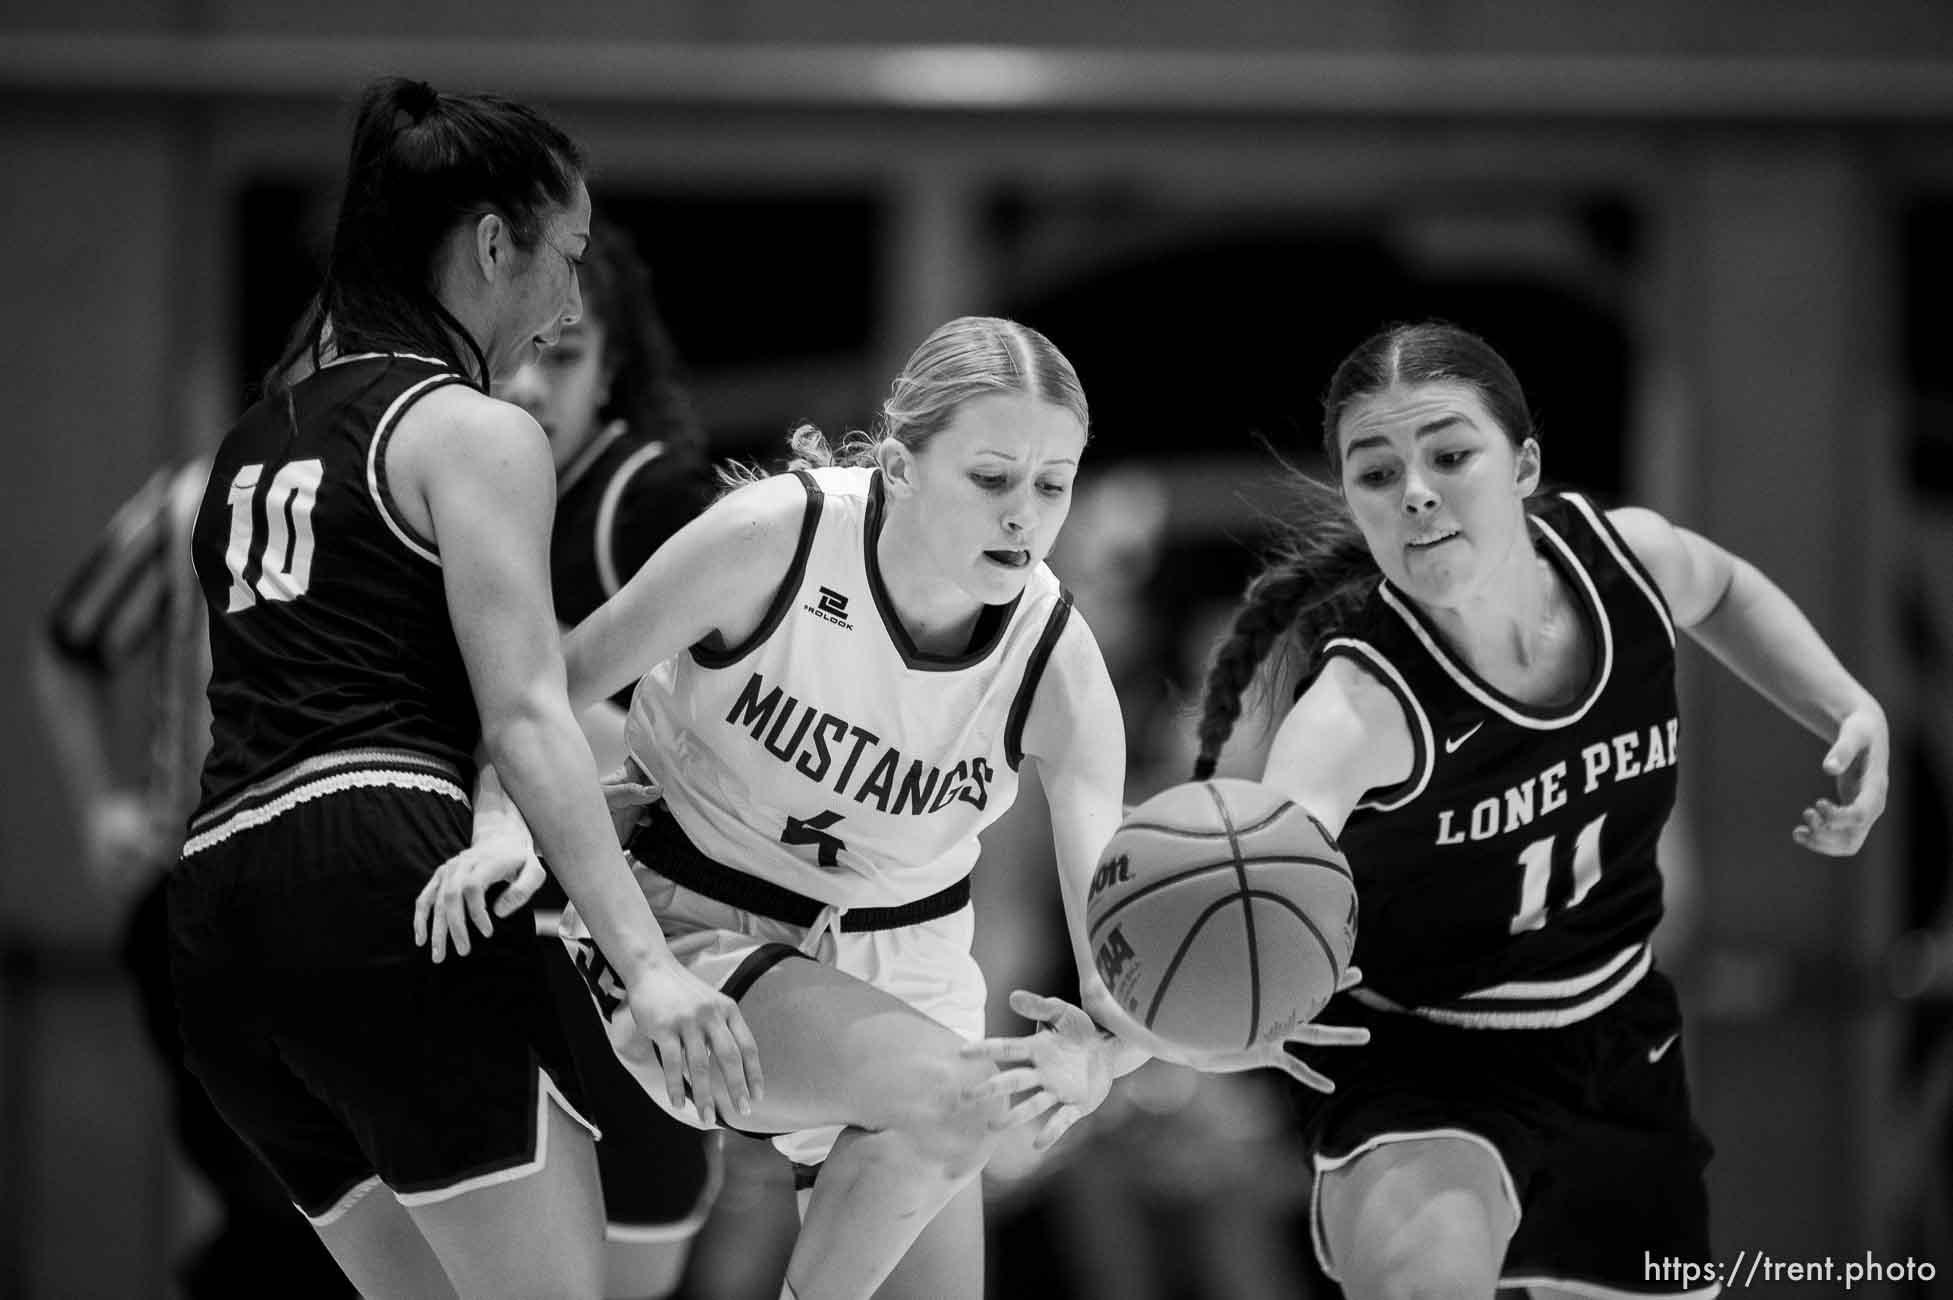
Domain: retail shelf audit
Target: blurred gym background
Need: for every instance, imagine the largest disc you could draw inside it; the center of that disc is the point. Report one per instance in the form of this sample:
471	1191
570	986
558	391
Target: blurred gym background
1712	236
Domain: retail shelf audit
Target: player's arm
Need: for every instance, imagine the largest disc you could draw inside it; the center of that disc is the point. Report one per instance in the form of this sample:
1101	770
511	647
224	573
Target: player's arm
1076	734
1749	623
1346	736
483	472
714	579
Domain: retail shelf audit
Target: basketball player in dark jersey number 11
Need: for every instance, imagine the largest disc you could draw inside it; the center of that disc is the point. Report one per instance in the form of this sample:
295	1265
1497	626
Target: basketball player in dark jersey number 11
1488	722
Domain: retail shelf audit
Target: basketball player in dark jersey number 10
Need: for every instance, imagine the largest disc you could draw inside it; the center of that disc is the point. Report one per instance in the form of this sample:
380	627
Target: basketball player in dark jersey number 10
373	551
1489	723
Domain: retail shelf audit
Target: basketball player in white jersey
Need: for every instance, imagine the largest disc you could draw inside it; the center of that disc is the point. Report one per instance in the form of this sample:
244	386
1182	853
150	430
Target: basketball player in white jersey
843	671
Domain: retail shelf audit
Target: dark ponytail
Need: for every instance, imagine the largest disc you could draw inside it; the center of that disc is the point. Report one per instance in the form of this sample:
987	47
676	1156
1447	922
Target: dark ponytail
421	163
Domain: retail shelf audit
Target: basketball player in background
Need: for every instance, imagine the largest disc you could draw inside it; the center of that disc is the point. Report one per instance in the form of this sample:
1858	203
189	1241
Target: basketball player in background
131	609
1487	718
843	669
373	549
631	469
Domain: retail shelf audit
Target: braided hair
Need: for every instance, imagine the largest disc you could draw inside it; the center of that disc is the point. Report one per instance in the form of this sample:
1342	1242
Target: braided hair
1321	571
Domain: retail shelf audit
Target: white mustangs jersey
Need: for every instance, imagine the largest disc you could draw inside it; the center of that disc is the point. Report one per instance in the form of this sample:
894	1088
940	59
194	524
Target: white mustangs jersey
826	754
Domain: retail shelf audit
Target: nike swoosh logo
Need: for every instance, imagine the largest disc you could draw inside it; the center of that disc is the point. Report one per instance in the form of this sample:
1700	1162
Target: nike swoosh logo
1452	742
1657	1052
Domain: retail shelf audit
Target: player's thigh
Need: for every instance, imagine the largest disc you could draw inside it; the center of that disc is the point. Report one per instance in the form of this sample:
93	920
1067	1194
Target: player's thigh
836	1050
376	1244
1438	1205
537	1235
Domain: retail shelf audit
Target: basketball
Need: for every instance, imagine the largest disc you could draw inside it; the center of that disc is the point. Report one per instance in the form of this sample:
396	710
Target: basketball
1221	915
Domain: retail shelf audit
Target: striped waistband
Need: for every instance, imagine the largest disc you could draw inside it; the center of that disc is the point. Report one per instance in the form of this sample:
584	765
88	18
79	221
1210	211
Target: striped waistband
1531	1004
326	774
661	845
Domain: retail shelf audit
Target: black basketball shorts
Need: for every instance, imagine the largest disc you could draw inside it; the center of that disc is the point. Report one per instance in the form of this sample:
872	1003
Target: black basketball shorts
334	1046
660	1176
1590	1122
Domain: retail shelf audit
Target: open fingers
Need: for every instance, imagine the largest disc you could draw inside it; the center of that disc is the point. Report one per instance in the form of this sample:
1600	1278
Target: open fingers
437	921
1025	1111
1056	1127
1328	1036
671	1059
706	1091
1003	1051
1004	1083
474	897
1830	829
1035	1006
423	910
1302	1074
730	1065
454	909
522	888
749	1056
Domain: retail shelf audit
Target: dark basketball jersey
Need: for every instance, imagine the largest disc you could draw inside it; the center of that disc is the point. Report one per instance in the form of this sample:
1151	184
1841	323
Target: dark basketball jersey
616	503
329	622
1511	881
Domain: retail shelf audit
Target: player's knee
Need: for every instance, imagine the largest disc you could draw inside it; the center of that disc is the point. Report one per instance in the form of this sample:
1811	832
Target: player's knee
949	1128
1451	1250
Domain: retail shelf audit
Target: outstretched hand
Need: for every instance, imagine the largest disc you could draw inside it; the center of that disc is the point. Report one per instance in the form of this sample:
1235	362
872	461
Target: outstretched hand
1858	760
1274	1054
457	892
1064	1067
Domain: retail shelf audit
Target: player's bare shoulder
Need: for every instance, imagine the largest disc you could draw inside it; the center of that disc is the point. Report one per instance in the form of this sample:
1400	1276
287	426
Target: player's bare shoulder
1349	690
1347	734
458	435
1691	571
760	519
457	420
1075	701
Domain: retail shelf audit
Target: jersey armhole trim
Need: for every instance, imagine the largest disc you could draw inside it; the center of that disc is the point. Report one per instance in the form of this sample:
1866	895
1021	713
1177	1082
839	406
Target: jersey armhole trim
607	575
1027	689
810	520
376	468
1624	555
1422	746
